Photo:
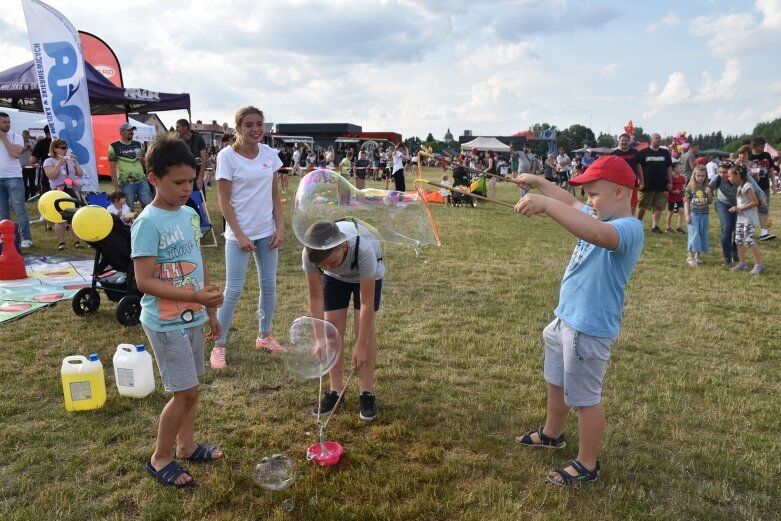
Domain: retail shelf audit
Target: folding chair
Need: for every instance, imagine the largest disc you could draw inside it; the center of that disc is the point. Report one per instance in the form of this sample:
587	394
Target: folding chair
100	199
203	213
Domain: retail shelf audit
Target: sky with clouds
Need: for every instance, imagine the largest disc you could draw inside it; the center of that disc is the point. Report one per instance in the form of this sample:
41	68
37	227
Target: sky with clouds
419	66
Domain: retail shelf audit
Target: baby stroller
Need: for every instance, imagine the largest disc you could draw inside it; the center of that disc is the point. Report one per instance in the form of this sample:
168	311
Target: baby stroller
464	182
112	271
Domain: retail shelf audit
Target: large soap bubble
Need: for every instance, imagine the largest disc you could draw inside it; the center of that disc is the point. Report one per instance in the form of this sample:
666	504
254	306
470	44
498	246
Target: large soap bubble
313	347
274	472
394	217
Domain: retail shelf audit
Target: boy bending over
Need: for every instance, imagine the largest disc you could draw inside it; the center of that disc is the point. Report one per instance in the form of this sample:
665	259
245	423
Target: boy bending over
578	340
353	267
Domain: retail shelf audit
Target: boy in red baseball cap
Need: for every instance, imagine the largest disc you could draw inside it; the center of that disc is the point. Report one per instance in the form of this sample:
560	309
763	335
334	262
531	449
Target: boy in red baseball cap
591	299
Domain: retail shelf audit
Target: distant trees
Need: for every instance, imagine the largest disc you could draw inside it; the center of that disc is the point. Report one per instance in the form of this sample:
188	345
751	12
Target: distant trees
576	136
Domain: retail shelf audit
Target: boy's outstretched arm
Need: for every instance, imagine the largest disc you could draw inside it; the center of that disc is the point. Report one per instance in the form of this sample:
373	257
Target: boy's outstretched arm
581	225
547	189
209	296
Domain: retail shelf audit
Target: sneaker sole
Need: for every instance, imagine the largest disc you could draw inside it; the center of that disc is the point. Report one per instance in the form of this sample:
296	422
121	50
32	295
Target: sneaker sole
367	418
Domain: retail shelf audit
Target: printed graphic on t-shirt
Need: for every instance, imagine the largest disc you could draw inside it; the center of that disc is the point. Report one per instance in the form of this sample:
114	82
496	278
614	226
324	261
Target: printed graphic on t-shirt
174	245
582	249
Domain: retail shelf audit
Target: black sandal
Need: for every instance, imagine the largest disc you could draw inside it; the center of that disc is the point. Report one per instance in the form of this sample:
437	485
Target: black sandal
76	244
61	247
584	475
545	441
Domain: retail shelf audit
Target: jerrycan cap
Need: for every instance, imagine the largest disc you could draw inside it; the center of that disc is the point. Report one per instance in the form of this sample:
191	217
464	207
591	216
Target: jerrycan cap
93	357
140	348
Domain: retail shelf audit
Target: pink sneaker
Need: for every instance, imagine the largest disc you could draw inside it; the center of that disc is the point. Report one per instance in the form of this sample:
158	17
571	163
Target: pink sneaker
267	343
217	358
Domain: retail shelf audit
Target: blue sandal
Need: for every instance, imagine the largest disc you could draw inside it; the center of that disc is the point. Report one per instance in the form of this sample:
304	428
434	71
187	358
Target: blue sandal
584	475
203	454
545	441
168	474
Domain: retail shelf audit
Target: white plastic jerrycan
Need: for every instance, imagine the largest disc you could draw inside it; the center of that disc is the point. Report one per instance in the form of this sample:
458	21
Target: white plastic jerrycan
133	371
83	383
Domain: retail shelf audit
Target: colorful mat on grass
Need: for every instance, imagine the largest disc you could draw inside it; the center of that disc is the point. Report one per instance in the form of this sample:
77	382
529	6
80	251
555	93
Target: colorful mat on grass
49	279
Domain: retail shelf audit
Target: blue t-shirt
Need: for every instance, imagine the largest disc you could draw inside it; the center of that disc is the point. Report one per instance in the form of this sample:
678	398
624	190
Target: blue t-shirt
592	290
174	239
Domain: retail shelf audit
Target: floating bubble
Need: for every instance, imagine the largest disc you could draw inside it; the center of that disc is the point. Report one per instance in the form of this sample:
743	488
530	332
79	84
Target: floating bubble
313	347
288	505
392	216
274	472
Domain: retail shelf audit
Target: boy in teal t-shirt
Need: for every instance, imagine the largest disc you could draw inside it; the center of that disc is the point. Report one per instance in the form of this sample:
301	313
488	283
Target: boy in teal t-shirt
177	301
578	341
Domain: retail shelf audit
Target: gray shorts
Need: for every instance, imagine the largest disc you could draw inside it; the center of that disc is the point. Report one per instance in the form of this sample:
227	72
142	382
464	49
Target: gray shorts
179	356
576	362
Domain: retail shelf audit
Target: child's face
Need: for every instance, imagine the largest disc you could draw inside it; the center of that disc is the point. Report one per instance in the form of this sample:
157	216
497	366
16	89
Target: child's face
700	177
173	189
733	177
678	169
335	259
606	199
119	203
724	173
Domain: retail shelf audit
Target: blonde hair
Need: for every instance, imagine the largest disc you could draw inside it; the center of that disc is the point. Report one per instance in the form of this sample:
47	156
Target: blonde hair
692	182
239	118
55	144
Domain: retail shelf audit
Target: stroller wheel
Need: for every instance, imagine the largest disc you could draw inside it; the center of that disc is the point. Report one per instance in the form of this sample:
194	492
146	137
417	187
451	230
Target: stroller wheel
473	202
129	310
85	301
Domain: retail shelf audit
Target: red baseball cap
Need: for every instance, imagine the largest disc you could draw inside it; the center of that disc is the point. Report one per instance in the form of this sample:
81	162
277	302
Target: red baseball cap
608	168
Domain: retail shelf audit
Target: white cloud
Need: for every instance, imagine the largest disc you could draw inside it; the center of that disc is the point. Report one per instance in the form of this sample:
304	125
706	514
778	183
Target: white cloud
724	88
502	55
610	68
675	92
671	20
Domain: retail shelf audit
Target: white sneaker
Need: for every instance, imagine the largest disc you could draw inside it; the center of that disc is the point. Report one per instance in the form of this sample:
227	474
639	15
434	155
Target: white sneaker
27	243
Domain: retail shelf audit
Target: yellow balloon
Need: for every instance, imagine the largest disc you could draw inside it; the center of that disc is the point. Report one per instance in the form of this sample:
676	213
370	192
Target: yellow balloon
46	205
92	223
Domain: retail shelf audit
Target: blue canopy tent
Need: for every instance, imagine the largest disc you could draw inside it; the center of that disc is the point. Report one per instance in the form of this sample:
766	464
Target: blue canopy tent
19	90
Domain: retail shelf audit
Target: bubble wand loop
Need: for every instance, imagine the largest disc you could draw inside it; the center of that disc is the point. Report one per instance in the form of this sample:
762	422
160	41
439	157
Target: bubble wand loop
469	194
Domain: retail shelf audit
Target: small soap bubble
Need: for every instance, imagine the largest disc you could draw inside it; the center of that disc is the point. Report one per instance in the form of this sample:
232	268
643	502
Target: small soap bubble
288	505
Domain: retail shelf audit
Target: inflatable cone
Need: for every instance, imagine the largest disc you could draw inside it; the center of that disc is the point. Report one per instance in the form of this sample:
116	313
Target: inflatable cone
11	262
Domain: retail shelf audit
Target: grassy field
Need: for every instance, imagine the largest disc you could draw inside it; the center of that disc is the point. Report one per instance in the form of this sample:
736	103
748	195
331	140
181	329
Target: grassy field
691	395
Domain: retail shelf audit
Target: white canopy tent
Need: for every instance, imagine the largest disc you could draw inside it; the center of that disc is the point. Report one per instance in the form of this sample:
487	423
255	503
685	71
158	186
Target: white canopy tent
486	143
144	133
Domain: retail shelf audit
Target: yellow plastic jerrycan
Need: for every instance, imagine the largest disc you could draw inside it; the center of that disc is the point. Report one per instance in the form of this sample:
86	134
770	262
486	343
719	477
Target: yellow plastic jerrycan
83	383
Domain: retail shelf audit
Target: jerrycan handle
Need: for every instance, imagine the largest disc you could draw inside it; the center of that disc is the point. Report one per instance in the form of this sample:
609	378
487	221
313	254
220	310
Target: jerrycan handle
74	358
128	348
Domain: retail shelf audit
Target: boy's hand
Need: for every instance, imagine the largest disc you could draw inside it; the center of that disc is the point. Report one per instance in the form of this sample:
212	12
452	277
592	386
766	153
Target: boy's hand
527	181
214	326
531	204
359	357
210	296
733	209
688	219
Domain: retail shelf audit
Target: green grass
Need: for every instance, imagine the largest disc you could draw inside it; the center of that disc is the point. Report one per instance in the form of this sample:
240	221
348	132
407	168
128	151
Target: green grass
691	395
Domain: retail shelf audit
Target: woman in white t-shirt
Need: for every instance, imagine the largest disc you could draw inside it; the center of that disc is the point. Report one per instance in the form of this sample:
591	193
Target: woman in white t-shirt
249	200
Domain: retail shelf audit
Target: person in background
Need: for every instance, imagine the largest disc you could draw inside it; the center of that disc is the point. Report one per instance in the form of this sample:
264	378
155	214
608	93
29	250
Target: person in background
11	182
747	220
127	164
696	202
28	167
62	170
198	148
762	169
39	154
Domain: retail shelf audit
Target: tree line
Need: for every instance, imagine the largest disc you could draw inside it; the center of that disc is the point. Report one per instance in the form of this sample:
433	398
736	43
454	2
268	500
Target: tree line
577	136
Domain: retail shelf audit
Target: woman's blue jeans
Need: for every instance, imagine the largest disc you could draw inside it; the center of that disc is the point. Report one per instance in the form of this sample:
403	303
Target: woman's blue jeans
236	262
727	220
